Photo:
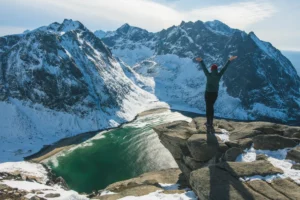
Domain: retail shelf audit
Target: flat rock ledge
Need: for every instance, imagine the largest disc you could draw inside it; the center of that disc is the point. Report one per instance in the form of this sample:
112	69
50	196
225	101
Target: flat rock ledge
145	184
208	161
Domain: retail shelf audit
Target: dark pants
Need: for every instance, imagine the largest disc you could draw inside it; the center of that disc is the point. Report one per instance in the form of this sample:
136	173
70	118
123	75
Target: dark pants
210	99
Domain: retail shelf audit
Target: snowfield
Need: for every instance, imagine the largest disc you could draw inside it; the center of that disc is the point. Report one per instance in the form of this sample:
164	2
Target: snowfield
26	128
25	169
60	81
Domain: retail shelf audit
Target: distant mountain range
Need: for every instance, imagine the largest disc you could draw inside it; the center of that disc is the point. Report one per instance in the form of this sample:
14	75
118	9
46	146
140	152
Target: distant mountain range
62	79
261	84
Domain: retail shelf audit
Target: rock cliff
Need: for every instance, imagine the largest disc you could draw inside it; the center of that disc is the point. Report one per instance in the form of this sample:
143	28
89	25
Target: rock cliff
242	160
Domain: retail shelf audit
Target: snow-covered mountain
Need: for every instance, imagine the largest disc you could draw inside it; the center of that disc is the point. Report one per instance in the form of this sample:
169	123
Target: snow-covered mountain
60	80
260	84
294	57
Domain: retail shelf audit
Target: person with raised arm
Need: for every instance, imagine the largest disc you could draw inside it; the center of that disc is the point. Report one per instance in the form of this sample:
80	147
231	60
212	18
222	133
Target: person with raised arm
212	89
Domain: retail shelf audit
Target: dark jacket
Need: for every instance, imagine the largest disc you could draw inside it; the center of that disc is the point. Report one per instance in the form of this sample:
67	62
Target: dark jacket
213	78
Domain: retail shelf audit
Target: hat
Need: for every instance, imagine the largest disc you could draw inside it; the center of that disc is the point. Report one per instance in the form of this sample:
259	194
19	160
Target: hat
214	67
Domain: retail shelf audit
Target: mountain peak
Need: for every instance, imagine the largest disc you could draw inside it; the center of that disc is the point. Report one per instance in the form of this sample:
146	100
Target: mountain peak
70	25
219	27
124	28
100	34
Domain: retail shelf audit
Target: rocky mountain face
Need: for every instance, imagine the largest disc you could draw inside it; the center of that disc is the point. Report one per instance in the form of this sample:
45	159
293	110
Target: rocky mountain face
260	84
294	57
60	80
255	160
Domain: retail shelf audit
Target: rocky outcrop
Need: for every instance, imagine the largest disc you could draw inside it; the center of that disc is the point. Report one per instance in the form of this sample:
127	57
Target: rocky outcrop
273	142
145	184
208	160
11	193
294	154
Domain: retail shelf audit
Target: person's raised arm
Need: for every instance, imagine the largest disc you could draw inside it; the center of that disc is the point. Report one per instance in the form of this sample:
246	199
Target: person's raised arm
200	60
226	65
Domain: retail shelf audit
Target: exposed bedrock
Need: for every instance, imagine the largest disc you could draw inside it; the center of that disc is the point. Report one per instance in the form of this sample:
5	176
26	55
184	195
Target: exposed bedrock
209	160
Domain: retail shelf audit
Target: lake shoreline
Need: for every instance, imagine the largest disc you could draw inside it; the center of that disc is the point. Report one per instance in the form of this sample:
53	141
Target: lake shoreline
66	143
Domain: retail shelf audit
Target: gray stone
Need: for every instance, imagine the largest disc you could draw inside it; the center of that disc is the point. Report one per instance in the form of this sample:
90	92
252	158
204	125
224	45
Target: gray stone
273	142
264	188
60	181
222	147
261	157
174	135
296	166
3	187
52	195
214	183
296	135
244	134
37	198
170	176
173	191
241	143
192	163
287	187
201	147
186	170
232	153
294	154
242	169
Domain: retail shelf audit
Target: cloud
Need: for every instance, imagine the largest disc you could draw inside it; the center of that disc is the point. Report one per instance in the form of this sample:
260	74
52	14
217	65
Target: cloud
238	15
143	13
151	15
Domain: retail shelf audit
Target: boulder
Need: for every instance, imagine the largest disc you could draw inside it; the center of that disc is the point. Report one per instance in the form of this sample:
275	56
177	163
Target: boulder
273	142
242	134
52	195
171	176
296	166
261	157
232	153
215	183
174	135
242	169
294	154
3	187
296	135
241	143
286	187
173	191
60	181
37	198
192	163
200	148
186	170
264	188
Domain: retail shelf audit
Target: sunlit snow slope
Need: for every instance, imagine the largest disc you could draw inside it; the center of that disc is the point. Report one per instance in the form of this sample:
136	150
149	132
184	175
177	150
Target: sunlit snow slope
60	80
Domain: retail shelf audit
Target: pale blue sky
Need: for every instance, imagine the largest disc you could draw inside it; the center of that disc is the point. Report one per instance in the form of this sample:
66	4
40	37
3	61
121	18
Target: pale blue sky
275	21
